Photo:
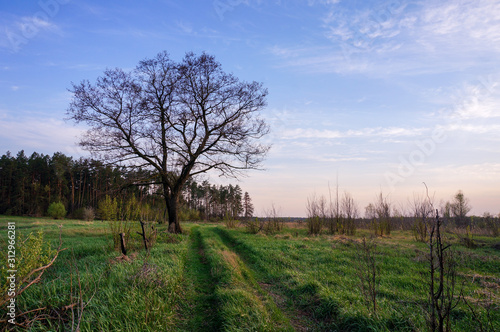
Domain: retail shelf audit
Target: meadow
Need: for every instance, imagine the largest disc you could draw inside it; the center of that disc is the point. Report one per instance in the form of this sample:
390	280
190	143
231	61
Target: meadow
213	278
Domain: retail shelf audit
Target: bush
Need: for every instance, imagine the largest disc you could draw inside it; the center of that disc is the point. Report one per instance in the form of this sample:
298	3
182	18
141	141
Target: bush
108	209
88	214
314	225
57	210
419	230
253	226
230	222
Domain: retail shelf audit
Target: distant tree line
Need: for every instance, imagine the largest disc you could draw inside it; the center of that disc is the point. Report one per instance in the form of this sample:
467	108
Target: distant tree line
341	216
29	184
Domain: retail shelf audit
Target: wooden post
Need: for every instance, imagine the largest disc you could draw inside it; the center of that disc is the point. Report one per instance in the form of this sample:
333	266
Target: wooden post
122	242
144	236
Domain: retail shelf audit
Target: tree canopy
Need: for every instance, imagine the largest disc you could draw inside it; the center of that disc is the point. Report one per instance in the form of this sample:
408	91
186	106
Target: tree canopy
178	119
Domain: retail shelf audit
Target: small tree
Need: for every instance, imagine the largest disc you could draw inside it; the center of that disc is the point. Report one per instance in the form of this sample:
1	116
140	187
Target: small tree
349	214
460	207
380	215
422	210
443	266
366	264
57	210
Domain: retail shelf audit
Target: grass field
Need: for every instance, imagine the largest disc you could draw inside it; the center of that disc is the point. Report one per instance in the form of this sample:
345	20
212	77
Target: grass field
218	279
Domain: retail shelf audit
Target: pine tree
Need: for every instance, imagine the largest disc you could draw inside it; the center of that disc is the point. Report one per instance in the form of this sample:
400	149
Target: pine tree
247	206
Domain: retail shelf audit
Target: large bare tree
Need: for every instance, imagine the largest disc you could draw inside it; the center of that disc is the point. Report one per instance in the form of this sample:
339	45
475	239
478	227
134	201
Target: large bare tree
177	119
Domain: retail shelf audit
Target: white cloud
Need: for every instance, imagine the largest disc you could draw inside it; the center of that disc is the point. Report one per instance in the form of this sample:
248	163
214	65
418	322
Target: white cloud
424	37
363	133
477	101
45	135
19	30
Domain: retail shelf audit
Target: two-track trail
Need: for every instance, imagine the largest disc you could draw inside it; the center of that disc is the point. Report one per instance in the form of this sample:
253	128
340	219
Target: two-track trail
223	293
200	307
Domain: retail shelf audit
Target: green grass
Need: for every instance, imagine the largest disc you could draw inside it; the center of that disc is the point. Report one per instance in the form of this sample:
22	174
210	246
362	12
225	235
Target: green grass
218	279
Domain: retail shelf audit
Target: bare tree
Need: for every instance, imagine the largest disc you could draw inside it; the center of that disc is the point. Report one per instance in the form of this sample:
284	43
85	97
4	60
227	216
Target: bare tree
443	270
175	119
381	215
349	214
314	213
422	210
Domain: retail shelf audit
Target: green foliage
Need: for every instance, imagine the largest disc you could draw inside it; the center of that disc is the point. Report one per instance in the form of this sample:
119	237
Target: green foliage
273	225
419	230
381	227
219	279
244	306
314	225
186	214
253	226
130	209
230	222
118	217
347	226
108	209
467	239
56	210
32	253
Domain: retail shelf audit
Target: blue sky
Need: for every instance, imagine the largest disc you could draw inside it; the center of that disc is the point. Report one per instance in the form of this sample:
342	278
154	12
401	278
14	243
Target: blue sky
381	95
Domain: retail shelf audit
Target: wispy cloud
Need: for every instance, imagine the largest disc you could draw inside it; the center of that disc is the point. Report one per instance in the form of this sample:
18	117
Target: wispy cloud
31	133
18	30
364	133
396	37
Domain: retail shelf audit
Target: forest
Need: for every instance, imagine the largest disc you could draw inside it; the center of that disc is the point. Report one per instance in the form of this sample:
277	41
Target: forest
29	184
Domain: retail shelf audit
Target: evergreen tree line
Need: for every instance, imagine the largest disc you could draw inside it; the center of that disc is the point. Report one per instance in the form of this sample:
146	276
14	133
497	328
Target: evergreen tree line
29	184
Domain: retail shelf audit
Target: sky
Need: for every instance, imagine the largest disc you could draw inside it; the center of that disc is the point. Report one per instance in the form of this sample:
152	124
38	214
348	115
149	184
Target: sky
365	96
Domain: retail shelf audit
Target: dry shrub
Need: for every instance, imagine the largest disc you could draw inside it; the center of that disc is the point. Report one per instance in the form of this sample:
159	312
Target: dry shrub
88	214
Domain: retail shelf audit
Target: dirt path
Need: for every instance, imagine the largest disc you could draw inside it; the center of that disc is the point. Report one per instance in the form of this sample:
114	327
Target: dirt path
202	312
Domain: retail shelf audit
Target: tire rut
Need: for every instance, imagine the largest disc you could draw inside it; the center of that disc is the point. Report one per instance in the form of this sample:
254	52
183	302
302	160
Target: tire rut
203	307
299	320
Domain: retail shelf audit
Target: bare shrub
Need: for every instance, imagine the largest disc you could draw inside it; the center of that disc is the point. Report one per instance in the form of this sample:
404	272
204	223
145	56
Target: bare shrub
467	239
254	226
443	266
273	223
492	224
488	302
349	212
315	214
421	210
314	225
366	265
380	215
88	213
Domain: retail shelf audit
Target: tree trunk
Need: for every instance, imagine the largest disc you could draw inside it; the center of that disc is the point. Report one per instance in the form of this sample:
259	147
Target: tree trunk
173	220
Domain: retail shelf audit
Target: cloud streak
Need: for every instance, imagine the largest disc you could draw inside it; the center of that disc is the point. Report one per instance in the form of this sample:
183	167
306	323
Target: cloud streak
421	38
392	132
40	135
